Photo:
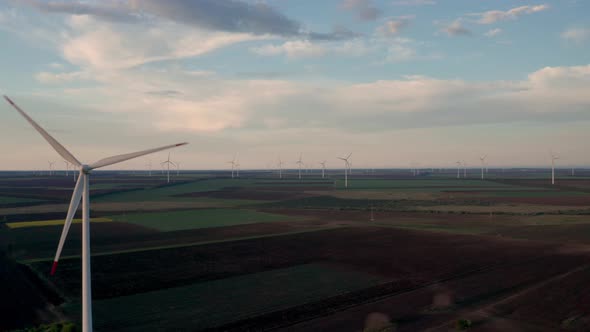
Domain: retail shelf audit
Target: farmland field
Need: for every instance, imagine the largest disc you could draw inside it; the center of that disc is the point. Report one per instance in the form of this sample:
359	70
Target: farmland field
194	219
214	303
263	253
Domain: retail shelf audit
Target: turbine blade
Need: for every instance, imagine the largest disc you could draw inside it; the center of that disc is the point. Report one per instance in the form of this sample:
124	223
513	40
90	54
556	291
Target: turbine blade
63	152
124	157
74	202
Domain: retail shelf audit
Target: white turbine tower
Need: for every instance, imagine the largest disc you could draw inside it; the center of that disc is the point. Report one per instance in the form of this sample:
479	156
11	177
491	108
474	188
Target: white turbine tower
280	164
149	166
82	192
233	166
323	163
51	163
464	169
346	169
300	163
458	169
167	162
553	159
483	164
67	166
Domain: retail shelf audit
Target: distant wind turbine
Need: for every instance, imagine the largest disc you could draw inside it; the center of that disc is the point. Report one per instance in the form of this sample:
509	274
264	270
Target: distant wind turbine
233	165
82	192
483	163
300	163
346	168
51	163
323	163
149	166
67	166
464	169
554	157
280	164
167	163
458	169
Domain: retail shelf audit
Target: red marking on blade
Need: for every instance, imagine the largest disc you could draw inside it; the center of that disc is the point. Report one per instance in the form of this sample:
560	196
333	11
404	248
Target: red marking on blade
53	267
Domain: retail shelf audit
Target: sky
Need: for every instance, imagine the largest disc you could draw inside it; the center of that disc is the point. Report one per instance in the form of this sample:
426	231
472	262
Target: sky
394	82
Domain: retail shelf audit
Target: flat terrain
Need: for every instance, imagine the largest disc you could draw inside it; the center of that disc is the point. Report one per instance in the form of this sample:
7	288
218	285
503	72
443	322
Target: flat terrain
393	251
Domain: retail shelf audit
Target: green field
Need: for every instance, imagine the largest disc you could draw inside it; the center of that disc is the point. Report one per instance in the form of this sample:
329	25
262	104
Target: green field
42	223
218	302
168	192
423	184
194	219
14	200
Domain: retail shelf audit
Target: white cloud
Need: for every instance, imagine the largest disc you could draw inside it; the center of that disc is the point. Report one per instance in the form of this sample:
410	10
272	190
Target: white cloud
365	10
109	46
56	78
493	32
414	2
576	35
292	49
456	28
494	16
394	26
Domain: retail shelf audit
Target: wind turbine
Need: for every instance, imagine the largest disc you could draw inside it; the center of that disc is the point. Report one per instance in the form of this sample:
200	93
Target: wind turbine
323	163
167	162
458	169
299	162
67	166
233	166
553	159
280	164
464	169
149	166
51	163
483	163
346	168
82	192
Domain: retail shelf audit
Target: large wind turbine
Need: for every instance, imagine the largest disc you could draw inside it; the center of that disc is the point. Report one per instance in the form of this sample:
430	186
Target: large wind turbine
167	162
483	164
346	168
300	163
323	163
67	166
82	192
553	159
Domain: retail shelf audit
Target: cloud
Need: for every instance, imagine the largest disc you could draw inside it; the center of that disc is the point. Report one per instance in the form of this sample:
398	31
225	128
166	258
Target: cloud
414	2
298	49
394	26
494	16
364	9
401	49
58	78
456	28
111	11
106	46
576	35
493	32
231	16
292	49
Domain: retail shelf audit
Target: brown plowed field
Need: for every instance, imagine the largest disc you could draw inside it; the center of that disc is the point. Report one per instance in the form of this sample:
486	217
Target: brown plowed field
417	257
